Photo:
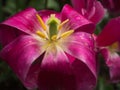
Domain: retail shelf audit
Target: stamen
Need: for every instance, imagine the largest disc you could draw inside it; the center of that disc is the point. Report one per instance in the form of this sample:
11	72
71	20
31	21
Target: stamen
42	35
63	23
54	37
66	34
41	22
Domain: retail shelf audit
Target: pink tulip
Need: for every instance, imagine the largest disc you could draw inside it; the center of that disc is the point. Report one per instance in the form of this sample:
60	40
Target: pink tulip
108	41
91	9
52	51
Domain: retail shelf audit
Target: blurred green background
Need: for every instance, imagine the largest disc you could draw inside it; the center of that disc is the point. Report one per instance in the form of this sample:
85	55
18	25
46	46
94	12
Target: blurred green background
8	80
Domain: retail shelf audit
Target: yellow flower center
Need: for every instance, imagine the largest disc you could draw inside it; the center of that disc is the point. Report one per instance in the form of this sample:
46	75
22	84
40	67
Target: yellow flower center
53	31
114	47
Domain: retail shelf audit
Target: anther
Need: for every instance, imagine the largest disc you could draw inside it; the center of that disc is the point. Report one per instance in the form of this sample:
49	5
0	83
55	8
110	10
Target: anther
41	22
63	23
67	33
42	35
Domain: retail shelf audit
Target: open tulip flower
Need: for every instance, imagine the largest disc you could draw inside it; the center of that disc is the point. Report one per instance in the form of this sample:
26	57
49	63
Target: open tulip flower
108	41
51	51
91	9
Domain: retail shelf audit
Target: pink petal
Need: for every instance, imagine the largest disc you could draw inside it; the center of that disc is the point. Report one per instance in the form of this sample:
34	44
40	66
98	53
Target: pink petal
110	33
77	21
91	9
56	72
25	21
99	13
81	46
20	54
7	34
79	5
85	78
113	62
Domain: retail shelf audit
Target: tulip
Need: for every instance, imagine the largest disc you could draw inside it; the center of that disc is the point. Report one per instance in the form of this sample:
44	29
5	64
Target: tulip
108	41
91	9
52	51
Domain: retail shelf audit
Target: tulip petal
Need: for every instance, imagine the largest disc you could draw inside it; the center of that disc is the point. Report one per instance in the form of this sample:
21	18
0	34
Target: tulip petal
20	54
98	14
110	33
79	5
84	77
91	9
55	72
81	46
82	4
25	21
8	34
77	21
113	62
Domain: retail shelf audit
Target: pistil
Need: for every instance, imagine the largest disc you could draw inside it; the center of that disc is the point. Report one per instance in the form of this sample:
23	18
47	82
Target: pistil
53	23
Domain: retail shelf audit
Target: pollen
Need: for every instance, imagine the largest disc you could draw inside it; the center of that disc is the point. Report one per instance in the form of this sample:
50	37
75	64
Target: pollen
63	23
41	22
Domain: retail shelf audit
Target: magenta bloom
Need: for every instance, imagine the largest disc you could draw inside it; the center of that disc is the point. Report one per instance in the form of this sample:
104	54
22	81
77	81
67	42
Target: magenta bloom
108	41
91	9
113	6
50	51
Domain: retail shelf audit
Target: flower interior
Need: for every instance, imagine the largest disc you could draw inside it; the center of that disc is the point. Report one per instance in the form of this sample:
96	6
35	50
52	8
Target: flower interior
53	31
114	47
